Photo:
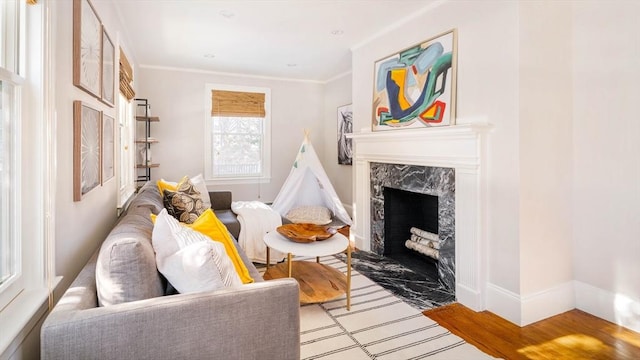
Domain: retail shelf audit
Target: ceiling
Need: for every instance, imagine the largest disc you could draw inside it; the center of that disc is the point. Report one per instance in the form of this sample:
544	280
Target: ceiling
292	39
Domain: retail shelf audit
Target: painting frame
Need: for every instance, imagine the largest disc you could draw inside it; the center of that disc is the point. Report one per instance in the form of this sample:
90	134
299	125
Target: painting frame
416	87
87	48
108	148
345	126
87	154
107	74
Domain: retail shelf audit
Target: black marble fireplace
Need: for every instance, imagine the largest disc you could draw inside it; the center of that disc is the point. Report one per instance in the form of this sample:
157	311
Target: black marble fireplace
403	196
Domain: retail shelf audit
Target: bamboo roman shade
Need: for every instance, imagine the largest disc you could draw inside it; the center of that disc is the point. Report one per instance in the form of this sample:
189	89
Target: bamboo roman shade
237	104
126	77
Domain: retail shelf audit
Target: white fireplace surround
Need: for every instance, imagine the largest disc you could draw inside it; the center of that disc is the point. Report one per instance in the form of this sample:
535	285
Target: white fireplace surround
461	147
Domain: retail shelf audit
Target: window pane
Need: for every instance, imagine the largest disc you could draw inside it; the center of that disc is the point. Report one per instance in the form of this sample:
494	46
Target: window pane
9	35
237	146
8	245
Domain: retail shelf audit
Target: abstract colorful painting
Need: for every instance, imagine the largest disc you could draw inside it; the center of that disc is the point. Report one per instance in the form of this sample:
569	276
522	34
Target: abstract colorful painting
416	87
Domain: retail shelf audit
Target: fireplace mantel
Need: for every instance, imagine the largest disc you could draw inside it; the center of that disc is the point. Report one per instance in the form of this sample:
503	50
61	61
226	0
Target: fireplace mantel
461	147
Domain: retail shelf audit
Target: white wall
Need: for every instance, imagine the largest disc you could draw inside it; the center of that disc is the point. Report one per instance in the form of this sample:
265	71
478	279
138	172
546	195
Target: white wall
487	90
558	81
336	93
545	119
177	97
79	226
606	161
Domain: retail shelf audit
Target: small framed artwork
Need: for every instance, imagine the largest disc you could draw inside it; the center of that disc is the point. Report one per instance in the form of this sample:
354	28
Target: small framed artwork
416	87
108	147
345	126
87	50
108	69
87	127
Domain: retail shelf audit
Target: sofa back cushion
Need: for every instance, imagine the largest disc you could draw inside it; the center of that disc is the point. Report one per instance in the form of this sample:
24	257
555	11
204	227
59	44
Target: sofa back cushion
126	265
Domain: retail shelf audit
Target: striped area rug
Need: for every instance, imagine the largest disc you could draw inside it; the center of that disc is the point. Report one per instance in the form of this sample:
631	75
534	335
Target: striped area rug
379	326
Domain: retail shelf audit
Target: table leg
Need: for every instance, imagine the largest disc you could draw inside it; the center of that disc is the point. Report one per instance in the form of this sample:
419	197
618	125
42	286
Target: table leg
348	277
318	259
289	263
268	256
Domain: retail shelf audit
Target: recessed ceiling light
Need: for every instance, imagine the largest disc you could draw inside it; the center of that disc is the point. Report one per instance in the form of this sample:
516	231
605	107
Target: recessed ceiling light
337	32
227	14
209	56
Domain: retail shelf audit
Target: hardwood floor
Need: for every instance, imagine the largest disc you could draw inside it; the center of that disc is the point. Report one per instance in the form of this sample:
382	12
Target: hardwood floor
571	335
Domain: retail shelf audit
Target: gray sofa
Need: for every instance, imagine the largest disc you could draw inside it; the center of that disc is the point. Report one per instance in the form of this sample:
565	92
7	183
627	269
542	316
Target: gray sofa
260	320
221	205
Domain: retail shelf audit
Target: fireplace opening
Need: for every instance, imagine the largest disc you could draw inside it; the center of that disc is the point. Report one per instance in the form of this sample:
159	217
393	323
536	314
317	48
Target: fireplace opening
404	210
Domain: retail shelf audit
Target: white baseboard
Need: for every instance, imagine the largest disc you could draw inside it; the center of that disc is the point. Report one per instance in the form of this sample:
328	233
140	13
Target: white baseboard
547	303
524	310
604	304
469	297
503	303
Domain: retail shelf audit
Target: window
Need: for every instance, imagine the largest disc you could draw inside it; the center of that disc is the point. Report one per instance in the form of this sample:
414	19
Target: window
126	131
237	134
27	168
126	169
10	156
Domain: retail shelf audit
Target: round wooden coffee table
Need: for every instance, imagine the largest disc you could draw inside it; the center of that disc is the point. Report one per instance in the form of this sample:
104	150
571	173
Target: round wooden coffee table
318	282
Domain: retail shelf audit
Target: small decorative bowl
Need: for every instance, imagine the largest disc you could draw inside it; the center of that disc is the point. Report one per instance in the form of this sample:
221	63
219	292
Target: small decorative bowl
305	233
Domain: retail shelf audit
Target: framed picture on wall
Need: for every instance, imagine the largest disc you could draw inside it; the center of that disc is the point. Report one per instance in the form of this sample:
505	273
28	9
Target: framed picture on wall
345	126
87	156
87	50
108	69
108	147
416	87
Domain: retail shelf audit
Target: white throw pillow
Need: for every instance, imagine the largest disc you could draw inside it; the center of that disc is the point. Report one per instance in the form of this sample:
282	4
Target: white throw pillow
201	186
189	260
318	215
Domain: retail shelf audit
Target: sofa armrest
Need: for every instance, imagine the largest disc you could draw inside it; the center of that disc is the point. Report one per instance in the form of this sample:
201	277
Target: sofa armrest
220	200
254	321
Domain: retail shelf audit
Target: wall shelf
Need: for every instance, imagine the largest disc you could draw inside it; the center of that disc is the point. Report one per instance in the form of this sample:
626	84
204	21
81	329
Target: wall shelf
146	140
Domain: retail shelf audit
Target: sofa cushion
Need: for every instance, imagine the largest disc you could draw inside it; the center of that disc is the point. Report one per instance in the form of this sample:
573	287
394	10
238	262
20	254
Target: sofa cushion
189	260
126	265
230	220
148	197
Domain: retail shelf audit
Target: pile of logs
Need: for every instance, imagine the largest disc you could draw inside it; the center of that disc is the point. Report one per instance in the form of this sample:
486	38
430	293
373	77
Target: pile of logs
424	242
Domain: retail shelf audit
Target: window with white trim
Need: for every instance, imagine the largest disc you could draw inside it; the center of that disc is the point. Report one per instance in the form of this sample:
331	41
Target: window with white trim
237	134
27	169
27	175
11	84
126	181
126	131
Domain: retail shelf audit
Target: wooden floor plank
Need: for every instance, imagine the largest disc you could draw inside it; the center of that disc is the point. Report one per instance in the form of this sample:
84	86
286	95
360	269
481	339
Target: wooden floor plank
571	335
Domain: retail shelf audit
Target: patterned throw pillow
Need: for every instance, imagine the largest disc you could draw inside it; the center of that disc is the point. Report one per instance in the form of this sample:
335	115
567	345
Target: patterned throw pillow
184	204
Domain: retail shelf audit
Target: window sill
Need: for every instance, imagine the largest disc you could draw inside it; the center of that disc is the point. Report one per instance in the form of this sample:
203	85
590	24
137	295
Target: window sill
237	181
19	317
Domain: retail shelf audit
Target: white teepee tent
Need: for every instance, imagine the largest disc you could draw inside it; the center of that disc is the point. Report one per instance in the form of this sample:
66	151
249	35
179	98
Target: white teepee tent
309	185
